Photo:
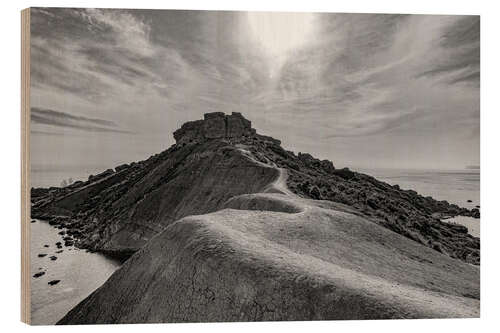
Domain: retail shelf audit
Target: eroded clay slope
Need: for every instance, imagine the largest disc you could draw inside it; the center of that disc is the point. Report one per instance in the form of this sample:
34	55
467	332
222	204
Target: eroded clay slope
221	156
275	256
119	213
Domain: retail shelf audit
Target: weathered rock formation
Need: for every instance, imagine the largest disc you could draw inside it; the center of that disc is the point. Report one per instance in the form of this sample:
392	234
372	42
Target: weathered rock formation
215	125
276	236
118	211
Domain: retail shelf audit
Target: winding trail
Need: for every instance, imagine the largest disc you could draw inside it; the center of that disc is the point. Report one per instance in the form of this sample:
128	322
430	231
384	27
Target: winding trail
275	256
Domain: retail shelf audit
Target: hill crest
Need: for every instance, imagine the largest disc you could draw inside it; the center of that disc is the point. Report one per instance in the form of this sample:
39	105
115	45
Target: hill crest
221	156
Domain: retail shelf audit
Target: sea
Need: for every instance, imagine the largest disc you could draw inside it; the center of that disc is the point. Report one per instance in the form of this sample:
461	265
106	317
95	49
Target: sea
81	272
460	187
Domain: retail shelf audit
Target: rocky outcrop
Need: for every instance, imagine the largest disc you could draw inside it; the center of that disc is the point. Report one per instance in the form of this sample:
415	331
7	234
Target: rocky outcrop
312	162
403	211
215	125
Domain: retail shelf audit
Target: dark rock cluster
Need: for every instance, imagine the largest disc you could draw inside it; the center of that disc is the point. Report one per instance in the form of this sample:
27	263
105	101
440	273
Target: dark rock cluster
53	282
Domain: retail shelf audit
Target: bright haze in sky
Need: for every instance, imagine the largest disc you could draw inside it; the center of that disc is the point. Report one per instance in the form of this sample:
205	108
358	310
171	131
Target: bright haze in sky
363	90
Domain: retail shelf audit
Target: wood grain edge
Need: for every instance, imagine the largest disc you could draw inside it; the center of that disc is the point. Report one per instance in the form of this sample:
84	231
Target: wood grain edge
25	168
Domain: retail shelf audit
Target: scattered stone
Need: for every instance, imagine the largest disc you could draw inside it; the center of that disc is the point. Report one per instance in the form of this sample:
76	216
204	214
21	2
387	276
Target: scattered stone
315	194
122	167
477	206
53	258
60	251
46	245
469	200
53	282
33	221
37	275
41	255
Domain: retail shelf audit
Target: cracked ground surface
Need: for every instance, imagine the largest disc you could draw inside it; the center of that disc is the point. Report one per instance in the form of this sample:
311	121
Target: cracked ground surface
276	256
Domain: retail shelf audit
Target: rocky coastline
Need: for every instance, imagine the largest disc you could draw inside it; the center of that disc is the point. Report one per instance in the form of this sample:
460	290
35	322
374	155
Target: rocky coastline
89	210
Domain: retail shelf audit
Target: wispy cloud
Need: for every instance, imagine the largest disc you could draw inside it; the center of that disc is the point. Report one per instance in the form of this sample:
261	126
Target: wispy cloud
62	119
386	82
457	56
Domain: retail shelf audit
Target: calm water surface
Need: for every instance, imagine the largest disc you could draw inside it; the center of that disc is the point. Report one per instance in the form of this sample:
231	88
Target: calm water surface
80	273
455	186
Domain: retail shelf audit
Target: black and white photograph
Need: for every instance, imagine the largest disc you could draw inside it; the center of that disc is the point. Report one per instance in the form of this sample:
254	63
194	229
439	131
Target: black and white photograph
198	166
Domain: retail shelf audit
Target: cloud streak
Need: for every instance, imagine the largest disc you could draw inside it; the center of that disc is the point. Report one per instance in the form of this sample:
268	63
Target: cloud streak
62	119
390	83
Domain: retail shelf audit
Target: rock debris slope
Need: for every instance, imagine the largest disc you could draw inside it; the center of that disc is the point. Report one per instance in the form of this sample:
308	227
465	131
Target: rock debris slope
246	236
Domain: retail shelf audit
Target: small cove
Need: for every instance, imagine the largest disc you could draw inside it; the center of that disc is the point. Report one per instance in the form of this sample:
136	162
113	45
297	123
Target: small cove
80	273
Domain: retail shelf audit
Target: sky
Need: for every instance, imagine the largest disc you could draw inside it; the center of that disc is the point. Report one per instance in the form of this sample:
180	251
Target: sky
362	90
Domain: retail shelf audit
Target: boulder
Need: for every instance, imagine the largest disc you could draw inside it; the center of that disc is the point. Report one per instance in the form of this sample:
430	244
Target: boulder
122	167
327	166
53	282
315	193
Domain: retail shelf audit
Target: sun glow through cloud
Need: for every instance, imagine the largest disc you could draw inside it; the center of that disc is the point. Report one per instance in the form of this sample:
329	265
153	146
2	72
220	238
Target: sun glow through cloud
280	33
377	90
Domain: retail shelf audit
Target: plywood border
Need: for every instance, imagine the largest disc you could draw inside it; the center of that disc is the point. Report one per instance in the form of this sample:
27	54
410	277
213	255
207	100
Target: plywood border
25	168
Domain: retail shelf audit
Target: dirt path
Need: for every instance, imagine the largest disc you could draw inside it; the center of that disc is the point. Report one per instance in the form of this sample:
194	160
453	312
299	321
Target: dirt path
276	256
